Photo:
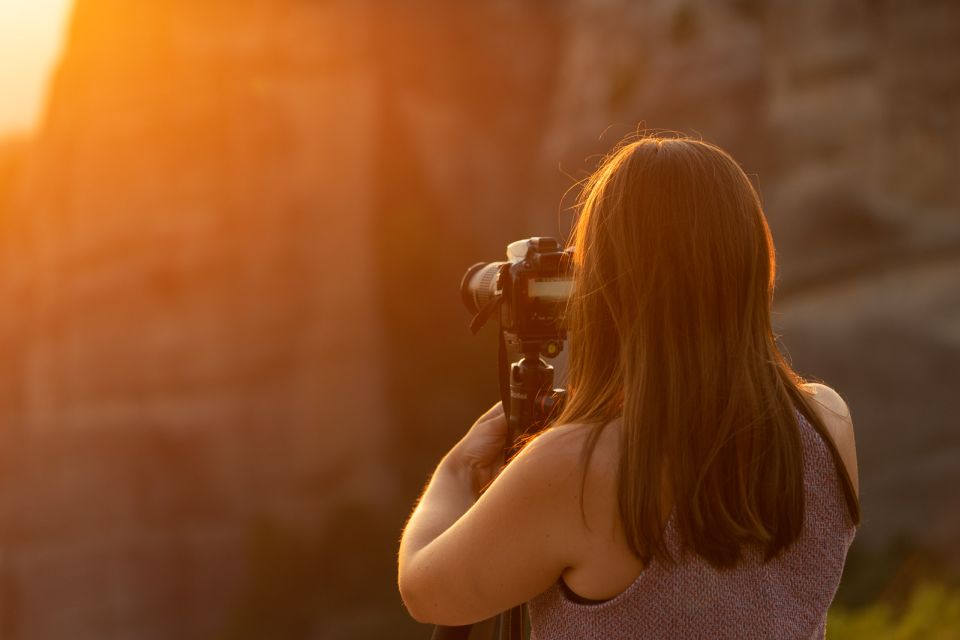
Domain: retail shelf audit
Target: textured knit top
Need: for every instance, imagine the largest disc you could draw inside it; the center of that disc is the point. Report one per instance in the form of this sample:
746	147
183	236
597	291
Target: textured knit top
787	597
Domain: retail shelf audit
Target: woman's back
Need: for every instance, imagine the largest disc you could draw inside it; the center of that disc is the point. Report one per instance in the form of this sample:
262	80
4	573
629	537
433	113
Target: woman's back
787	597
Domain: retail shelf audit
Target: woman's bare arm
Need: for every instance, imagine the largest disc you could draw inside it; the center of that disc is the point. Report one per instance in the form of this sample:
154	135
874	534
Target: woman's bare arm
464	559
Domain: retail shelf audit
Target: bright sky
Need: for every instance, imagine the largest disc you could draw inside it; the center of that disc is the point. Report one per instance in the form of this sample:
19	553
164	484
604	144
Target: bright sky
31	36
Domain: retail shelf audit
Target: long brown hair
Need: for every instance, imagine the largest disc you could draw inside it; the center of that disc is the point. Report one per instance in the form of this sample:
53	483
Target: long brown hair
670	330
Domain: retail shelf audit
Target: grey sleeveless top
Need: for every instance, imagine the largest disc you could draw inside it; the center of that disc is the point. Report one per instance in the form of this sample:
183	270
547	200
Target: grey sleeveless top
787	597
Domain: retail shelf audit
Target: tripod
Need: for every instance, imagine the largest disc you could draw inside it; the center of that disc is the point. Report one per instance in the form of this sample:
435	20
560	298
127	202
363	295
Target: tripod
529	402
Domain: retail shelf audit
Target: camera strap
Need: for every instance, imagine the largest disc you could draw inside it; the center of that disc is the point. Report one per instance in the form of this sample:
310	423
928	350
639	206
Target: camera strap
503	360
503	373
484	314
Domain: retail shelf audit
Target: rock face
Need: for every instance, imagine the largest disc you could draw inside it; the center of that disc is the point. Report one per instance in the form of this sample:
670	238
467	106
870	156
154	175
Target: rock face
192	262
224	199
235	342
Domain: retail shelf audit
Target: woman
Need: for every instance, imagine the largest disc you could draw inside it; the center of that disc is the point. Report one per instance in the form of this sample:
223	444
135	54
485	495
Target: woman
694	485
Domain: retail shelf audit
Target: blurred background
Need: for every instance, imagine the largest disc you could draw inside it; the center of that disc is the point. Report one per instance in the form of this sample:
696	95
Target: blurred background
232	346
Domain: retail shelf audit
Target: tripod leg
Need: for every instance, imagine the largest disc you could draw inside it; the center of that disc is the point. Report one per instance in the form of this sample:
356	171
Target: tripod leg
516	623
486	630
451	633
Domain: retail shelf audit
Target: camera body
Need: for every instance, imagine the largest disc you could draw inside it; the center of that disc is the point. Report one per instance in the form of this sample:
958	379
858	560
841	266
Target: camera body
531	288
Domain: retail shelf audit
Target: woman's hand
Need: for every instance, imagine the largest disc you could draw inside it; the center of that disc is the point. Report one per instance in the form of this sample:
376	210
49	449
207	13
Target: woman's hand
480	451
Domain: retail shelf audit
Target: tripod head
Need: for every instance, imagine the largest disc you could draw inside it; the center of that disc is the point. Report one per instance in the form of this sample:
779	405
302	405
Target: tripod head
533	401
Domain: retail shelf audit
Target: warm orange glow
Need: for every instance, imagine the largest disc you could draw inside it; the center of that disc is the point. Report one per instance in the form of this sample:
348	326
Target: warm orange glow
31	39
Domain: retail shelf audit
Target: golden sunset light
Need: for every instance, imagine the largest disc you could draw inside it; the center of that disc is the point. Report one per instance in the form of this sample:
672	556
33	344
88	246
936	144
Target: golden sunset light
354	318
31	40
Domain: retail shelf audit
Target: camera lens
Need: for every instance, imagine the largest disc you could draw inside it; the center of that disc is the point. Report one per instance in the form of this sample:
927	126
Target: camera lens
479	285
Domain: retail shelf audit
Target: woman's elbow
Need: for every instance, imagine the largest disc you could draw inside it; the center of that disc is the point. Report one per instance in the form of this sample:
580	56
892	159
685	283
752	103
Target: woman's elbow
412	599
425	601
415	592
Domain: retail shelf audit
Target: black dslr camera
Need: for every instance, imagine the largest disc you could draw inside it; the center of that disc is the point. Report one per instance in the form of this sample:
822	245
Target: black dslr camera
530	290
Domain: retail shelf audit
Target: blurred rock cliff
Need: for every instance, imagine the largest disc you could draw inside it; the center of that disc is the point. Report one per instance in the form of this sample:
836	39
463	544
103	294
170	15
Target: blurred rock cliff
233	344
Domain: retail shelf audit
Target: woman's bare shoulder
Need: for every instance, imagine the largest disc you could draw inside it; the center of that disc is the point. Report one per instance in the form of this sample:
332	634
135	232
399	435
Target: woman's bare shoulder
592	489
835	415
561	449
564	444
